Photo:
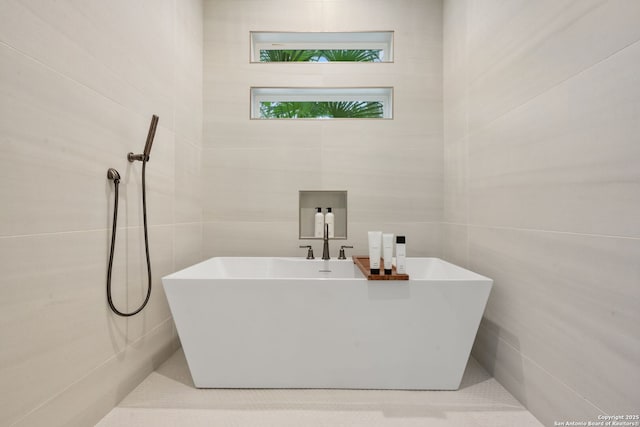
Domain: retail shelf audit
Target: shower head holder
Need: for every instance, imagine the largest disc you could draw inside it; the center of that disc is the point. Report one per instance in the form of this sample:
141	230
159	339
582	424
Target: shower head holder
140	157
113	175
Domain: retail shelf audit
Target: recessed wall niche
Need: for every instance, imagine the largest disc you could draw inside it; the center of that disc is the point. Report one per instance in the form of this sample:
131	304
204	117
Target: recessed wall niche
310	200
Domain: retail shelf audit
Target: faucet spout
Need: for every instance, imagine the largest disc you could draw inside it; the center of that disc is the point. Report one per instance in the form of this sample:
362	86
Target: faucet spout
325	246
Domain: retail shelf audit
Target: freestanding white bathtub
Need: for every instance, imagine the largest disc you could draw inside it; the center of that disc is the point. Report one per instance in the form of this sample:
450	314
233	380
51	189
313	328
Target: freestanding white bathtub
297	323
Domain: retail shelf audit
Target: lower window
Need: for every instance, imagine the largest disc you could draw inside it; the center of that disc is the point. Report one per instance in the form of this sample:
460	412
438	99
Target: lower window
321	103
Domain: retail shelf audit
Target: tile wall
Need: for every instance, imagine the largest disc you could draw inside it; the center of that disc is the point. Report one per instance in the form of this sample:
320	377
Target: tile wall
539	188
253	169
79	82
542	193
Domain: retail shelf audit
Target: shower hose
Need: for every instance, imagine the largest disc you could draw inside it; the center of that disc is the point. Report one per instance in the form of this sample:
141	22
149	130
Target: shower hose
116	182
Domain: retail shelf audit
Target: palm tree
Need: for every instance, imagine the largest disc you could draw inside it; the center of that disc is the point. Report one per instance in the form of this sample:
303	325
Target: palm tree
321	110
325	55
354	109
289	110
302	55
351	55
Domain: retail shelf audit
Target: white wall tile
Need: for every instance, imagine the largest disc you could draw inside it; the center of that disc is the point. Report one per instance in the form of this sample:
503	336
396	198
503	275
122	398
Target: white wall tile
50	283
79	83
54	131
258	185
240	133
54	307
540	117
188	245
83	41
106	385
384	184
188	182
161	249
456	182
375	135
544	395
245	238
392	169
455	128
188	70
281	239
568	159
567	302
455	244
520	49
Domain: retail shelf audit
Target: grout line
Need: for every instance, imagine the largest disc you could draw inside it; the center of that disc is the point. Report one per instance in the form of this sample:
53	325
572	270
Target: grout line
536	41
83	85
115	356
175	139
296	221
93	230
187	223
536	230
549	89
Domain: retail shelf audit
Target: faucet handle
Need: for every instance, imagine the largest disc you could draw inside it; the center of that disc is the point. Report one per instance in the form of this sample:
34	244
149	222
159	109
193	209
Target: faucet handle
309	252
341	255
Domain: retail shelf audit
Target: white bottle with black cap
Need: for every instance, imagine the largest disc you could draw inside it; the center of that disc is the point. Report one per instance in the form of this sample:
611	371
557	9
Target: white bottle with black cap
319	224
401	255
330	220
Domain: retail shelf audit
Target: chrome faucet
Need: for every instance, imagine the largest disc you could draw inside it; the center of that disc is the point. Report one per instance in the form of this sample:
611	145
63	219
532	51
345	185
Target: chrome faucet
325	246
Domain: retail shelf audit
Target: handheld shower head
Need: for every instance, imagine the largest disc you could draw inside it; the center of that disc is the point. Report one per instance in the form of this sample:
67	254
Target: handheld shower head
150	135
144	157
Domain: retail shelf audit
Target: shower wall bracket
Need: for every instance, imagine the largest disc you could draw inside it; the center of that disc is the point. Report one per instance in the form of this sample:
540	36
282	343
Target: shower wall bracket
140	157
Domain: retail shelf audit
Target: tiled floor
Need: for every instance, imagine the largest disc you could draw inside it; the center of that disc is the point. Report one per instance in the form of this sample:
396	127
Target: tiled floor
167	397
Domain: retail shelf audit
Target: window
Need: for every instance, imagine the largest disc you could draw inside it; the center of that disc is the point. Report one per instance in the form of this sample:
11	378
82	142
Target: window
321	103
374	46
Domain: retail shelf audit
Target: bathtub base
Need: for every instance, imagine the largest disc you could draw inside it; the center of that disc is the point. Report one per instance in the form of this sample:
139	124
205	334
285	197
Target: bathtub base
342	333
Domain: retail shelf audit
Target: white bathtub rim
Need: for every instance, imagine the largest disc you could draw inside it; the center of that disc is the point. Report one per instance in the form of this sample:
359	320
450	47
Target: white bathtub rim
454	273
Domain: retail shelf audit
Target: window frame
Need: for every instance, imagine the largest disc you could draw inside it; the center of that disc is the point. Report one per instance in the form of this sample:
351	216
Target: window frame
282	40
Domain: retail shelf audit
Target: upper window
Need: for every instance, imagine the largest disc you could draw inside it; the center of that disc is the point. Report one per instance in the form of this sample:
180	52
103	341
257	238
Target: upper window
372	46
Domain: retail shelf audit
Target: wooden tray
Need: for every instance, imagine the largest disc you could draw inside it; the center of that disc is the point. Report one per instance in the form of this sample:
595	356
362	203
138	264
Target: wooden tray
363	263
